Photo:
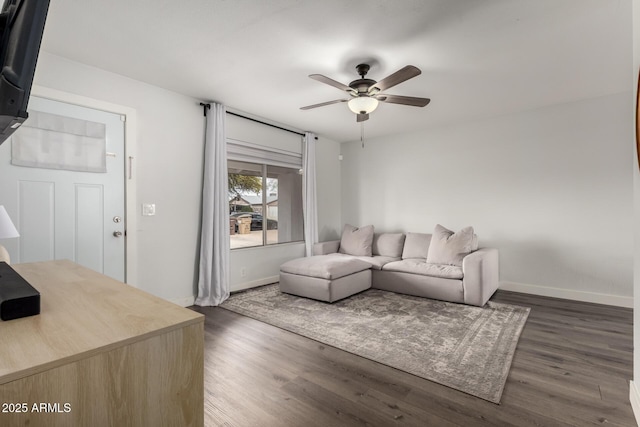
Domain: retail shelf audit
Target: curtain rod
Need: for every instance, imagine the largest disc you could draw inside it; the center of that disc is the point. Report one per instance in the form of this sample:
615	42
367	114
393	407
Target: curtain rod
208	106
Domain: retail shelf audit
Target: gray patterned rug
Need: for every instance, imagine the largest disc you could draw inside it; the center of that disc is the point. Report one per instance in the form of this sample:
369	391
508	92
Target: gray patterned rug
463	347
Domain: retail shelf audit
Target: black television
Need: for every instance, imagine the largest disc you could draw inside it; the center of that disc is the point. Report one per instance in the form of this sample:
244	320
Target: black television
21	26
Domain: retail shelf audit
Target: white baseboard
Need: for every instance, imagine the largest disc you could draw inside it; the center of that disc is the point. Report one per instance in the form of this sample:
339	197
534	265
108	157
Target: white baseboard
254	283
593	297
188	301
634	398
184	302
616	300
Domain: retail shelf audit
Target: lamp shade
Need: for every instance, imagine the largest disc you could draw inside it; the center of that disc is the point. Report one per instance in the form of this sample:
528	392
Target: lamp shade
7	229
363	104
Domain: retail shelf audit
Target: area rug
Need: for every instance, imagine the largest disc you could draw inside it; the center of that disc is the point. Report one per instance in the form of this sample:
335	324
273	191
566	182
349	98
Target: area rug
463	347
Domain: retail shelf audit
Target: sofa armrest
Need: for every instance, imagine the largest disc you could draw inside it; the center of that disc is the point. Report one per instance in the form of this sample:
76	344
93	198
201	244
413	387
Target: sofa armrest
325	248
481	272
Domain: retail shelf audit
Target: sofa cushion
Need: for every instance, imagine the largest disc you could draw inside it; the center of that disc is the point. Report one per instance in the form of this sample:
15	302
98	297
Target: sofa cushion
388	244
356	241
325	248
420	267
416	245
378	261
448	247
331	266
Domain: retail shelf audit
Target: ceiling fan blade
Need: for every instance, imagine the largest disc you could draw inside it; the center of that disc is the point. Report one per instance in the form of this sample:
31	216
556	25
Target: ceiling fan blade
398	77
322	104
404	100
330	82
362	118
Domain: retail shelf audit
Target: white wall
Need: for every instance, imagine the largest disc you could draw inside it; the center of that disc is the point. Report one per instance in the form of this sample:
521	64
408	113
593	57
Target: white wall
168	167
260	265
551	188
634	394
329	184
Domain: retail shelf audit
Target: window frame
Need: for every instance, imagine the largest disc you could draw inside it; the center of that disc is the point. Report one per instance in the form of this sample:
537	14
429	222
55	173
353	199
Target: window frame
264	194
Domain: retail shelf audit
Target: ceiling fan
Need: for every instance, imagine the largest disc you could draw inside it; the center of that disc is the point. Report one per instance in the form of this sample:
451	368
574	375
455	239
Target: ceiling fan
366	93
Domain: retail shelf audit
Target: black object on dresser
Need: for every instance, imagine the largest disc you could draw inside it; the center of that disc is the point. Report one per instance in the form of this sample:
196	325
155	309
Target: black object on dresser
17	297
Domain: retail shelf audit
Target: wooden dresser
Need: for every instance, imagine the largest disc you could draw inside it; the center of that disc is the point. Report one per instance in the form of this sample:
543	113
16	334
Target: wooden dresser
101	353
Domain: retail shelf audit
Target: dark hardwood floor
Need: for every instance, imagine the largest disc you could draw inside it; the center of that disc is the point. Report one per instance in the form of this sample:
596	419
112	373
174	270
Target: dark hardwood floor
572	367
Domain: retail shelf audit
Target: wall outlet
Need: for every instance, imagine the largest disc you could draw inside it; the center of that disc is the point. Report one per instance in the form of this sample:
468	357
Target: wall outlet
148	209
243	272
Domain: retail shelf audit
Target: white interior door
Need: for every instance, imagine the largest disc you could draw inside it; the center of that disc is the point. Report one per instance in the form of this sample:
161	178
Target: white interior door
63	214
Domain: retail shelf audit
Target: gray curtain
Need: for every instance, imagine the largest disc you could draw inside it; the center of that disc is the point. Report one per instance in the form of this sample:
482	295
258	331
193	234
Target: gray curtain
309	198
213	282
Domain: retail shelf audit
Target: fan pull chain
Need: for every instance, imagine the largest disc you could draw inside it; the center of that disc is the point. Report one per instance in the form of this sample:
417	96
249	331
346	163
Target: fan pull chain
362	133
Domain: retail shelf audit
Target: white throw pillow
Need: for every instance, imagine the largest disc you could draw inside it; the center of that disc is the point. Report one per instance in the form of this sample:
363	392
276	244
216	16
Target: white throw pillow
356	241
448	247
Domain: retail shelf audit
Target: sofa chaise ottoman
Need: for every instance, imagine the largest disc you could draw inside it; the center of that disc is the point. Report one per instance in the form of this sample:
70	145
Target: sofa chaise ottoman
444	265
325	277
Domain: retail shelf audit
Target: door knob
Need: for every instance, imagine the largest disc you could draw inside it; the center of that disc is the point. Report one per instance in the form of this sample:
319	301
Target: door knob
117	233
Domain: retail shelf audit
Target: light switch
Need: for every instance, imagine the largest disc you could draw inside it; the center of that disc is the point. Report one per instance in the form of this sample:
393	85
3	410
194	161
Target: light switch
148	209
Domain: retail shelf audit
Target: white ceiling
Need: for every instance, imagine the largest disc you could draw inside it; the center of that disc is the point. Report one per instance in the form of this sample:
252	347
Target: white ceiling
478	58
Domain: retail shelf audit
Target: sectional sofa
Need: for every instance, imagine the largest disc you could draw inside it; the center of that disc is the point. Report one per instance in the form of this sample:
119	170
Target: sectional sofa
444	265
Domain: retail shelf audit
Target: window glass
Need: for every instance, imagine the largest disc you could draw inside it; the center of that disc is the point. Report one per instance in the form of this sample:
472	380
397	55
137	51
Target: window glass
284	205
265	204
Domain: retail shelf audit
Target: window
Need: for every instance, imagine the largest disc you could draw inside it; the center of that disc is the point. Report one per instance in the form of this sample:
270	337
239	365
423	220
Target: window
265	204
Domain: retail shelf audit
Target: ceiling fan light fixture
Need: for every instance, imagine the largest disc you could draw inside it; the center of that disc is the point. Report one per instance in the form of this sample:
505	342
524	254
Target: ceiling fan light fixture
363	104
366	94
